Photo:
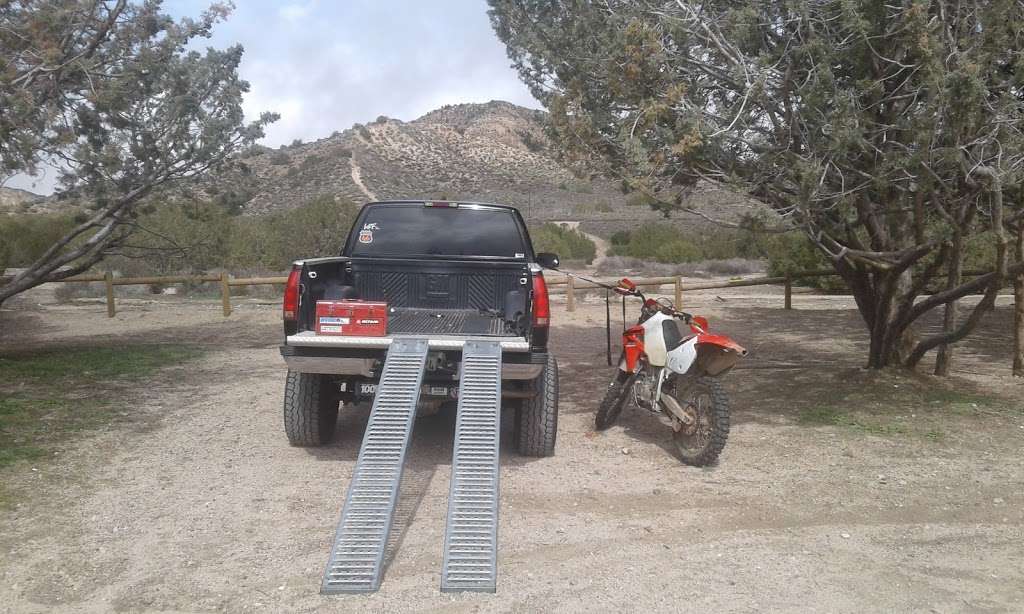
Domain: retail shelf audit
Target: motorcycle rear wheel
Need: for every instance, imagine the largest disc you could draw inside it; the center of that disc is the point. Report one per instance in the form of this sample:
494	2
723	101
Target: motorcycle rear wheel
704	399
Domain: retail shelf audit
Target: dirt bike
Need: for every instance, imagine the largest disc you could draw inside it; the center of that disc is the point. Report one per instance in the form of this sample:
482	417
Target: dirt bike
673	374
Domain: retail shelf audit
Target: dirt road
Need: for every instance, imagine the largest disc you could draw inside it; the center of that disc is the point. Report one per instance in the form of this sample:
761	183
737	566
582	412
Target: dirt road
204	506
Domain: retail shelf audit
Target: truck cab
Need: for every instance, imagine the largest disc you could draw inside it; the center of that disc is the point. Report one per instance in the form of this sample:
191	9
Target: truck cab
445	272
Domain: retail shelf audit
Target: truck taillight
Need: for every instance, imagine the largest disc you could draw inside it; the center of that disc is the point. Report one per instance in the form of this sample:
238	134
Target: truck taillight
291	295
541	306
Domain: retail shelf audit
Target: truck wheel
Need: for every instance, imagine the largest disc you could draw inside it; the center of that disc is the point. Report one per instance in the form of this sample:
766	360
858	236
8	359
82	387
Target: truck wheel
537	419
310	409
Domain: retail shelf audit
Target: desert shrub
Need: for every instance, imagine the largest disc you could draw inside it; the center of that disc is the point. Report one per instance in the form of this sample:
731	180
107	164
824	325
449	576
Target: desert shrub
272	242
793	252
665	243
639	199
591	208
580	186
568	243
197	238
531	142
310	161
279	158
25	237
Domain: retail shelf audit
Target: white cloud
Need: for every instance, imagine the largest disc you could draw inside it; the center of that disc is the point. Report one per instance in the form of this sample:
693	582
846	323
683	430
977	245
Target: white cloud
296	11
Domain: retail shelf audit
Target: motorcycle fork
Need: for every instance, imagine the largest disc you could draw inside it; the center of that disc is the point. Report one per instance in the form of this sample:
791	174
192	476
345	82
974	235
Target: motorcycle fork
662	376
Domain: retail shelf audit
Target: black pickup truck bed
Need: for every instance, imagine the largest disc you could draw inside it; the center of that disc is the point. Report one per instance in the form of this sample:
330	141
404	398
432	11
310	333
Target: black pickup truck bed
450	273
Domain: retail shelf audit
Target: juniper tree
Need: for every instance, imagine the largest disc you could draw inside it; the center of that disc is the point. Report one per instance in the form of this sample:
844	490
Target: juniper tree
114	95
889	132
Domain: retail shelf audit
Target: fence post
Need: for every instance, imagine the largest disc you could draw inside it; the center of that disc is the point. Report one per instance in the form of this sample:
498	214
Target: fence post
789	291
679	292
108	279
570	294
225	293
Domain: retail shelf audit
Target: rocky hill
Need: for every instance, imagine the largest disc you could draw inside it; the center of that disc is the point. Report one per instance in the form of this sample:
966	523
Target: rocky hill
493	152
13	200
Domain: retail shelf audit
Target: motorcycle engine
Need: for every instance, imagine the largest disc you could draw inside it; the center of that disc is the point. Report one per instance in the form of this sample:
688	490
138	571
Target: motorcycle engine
643	391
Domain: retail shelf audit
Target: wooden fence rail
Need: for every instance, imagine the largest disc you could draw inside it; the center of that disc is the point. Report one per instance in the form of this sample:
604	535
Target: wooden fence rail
571	284
224	279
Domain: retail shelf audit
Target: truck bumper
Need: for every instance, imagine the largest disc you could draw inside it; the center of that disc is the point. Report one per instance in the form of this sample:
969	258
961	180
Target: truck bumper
438	342
360	358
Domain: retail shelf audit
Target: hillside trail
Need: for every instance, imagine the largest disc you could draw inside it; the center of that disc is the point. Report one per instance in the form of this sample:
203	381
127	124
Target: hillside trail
602	246
357	178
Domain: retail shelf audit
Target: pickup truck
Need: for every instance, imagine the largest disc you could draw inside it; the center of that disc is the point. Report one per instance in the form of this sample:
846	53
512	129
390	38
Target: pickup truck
448	273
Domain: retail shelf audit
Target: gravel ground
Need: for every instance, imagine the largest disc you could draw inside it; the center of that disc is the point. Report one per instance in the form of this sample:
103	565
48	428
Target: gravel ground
201	505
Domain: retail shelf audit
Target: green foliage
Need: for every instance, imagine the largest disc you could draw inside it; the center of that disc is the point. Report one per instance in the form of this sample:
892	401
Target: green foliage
793	252
199	237
584	209
665	243
310	162
279	158
568	243
120	96
25	237
639	199
881	130
580	187
531	142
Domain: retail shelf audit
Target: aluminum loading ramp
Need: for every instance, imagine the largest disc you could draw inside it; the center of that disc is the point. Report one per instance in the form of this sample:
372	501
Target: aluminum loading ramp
471	533
470	544
357	557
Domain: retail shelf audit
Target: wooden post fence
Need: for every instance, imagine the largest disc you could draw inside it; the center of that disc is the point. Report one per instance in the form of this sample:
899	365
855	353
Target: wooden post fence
108	279
789	292
570	294
225	294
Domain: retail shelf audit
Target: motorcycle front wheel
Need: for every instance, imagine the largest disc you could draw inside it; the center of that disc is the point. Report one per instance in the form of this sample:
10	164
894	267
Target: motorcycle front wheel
614	398
701	439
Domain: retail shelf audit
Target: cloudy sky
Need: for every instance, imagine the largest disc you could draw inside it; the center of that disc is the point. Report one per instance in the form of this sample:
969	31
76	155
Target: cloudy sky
326	64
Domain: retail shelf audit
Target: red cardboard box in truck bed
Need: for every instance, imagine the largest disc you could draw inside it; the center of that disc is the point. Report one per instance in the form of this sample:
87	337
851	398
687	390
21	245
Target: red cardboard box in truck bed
352	318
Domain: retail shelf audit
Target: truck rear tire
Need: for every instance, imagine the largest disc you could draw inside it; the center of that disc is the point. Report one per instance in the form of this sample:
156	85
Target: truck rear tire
310	409
537	418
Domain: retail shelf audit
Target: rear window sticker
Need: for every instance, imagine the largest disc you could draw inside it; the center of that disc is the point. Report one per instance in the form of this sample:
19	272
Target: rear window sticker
366	236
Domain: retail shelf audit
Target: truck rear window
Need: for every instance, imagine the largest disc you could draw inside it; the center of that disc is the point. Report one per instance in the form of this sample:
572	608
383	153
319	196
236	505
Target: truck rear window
416	230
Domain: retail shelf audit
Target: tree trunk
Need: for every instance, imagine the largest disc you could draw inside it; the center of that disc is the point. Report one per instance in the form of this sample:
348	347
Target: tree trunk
1018	308
953	279
889	341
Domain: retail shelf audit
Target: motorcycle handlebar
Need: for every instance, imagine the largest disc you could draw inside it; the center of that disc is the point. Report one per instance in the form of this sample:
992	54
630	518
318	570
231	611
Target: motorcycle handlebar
632	290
